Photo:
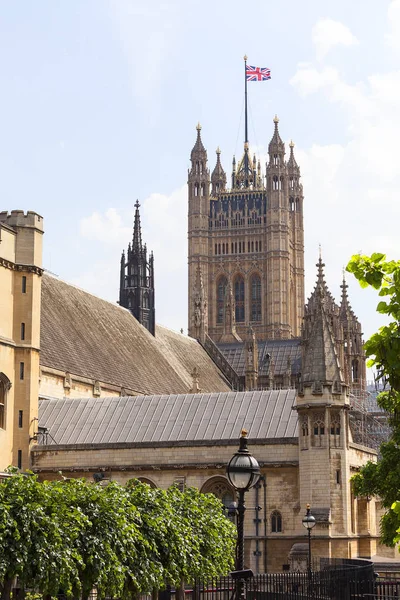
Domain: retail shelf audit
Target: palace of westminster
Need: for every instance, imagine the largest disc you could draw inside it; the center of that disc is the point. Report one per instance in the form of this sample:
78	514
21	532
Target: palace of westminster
89	387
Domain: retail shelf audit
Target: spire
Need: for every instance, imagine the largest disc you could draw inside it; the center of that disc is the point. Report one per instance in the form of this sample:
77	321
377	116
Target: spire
276	143
198	148
292	164
218	177
321	331
345	308
137	231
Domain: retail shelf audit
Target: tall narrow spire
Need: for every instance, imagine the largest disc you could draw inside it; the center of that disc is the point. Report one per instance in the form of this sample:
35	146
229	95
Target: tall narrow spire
137	231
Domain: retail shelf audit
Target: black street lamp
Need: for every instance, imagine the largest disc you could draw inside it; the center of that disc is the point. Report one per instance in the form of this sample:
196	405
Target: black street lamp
243	472
309	522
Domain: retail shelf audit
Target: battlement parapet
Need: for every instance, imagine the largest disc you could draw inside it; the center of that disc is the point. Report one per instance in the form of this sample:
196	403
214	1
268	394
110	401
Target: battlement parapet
17	218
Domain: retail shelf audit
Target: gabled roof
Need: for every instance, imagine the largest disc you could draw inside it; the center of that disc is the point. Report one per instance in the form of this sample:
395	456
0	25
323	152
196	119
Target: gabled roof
280	352
89	337
174	418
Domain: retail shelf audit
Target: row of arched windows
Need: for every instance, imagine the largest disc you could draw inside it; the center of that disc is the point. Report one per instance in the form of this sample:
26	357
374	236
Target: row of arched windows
199	189
319	429
199	168
238	247
239	292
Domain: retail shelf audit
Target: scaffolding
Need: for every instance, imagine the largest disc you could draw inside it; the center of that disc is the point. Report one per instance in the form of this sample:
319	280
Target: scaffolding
369	424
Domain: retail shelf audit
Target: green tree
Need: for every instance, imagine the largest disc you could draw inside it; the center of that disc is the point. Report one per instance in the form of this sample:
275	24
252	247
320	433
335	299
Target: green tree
34	544
383	349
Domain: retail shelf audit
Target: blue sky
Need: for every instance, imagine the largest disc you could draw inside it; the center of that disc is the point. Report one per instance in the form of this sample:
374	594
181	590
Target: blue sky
99	105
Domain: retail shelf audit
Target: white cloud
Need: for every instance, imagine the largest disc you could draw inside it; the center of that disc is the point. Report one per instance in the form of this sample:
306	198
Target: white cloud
327	34
351	189
164	230
105	228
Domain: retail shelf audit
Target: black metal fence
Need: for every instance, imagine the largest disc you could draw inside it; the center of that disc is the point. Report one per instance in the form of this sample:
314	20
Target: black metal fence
330	579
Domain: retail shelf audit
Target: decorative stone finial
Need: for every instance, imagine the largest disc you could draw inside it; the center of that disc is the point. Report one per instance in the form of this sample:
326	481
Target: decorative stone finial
198	127
276	120
244	433
291	145
137	204
320	251
218	151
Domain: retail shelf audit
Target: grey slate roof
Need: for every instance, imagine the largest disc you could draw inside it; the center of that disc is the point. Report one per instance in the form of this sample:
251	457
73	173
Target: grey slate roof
279	350
89	337
173	418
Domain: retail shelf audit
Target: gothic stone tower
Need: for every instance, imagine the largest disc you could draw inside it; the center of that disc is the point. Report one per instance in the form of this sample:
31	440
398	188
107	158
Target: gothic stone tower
136	292
248	243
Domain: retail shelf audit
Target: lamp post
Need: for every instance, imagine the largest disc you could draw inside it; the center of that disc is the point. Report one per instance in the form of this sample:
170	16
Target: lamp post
243	472
309	522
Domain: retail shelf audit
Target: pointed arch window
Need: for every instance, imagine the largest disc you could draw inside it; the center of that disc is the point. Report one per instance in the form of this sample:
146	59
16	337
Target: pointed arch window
221	289
202	190
146	300
275	182
196	189
239	299
276	522
5	385
319	431
256	298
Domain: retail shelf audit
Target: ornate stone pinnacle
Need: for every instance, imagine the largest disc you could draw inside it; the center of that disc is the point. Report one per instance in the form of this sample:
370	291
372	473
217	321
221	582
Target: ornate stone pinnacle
137	204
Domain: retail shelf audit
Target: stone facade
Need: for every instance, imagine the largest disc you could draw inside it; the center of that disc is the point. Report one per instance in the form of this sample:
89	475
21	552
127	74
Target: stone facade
248	243
20	285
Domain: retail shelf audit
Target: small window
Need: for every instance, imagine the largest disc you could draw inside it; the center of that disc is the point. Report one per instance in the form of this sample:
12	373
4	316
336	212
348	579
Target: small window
276	522
19	459
20	418
21	370
22	331
23	284
338	477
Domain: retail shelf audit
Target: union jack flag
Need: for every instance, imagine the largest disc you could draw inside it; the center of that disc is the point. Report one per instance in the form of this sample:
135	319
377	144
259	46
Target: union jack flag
257	73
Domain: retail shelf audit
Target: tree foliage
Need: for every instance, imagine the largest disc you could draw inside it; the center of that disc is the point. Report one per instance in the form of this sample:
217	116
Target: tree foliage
73	535
383	350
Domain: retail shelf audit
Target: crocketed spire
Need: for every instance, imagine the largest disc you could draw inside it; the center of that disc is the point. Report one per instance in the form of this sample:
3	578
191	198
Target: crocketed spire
198	150
137	231
218	172
292	164
320	335
276	144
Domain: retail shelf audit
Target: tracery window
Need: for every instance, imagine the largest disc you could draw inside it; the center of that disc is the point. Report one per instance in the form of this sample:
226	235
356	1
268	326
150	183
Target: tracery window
319	430
304	432
276	522
221	289
335	430
256	298
239	299
221	489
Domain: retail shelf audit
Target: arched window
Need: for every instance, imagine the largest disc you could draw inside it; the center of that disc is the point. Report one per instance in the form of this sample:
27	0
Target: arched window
219	486
202	189
147	481
5	385
201	168
255	298
281	183
319	431
146	300
276	160
304	433
275	182
276	522
354	370
239	299
291	204
221	289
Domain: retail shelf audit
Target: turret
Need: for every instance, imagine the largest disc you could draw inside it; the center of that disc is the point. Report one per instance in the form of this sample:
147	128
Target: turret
354	355
137	279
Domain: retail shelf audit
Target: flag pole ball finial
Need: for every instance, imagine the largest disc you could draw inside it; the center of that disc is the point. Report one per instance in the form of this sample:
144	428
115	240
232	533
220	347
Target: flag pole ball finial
245	57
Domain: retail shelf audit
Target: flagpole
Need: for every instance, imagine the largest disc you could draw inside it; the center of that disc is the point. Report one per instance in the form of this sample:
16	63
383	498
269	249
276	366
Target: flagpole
246	141
246	136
